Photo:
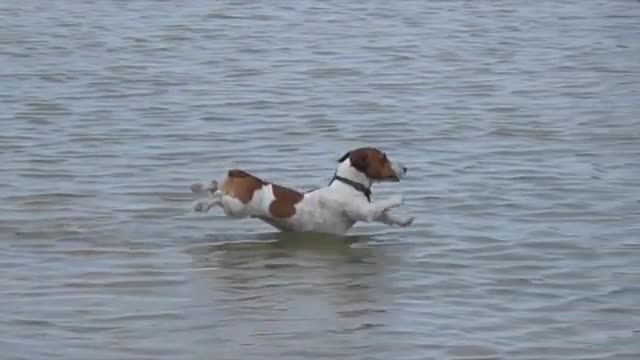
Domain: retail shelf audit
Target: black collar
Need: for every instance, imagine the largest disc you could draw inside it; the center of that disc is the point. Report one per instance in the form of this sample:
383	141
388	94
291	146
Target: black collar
356	185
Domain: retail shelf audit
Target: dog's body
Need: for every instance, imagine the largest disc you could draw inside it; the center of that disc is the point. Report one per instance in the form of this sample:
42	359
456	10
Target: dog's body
331	209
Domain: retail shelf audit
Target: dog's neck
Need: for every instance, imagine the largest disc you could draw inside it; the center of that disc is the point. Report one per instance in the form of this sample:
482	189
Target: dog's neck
348	175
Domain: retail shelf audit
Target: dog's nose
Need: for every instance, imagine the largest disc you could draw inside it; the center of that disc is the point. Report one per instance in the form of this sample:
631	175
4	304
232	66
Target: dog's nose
404	169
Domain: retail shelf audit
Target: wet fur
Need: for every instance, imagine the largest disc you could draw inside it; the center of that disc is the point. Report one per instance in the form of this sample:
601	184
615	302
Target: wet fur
332	209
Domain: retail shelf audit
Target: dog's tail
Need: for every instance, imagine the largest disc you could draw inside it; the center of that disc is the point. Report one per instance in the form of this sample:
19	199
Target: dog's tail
199	188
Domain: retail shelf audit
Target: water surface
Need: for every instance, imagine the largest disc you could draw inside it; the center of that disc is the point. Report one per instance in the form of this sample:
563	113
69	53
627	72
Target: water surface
519	122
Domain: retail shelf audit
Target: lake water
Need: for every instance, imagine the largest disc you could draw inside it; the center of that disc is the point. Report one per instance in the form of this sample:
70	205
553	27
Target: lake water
519	122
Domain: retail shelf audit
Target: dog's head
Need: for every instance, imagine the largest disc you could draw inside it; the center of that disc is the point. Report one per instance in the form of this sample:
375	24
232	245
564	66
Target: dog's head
374	164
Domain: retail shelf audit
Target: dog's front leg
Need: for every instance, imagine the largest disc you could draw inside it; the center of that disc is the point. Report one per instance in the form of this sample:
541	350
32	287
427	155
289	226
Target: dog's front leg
369	212
393	219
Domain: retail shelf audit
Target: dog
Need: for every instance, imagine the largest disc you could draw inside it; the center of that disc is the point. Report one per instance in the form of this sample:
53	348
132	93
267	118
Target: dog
332	209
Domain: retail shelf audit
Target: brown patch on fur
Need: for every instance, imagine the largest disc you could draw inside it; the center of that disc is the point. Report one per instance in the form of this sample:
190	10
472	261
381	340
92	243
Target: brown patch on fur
241	185
373	163
285	199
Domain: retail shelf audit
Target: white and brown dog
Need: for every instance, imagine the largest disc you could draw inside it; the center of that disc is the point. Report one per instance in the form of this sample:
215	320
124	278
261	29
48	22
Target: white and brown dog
332	209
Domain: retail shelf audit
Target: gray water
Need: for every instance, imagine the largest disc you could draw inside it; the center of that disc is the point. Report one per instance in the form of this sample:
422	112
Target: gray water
519	122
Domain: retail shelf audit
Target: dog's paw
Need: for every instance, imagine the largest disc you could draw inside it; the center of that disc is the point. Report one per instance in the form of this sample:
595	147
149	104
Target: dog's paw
197	188
212	187
406	221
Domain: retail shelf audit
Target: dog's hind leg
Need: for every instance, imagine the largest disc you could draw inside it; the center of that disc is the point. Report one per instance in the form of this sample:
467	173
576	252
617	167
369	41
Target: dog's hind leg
199	188
204	205
233	207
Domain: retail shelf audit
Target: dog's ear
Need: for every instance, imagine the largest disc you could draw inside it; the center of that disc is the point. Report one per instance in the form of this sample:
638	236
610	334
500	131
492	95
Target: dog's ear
344	157
360	160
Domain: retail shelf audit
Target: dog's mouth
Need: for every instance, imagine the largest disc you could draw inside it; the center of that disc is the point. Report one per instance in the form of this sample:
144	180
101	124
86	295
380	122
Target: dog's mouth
399	171
391	178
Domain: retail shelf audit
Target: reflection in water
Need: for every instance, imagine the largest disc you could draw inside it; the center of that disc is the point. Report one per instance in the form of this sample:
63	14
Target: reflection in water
315	283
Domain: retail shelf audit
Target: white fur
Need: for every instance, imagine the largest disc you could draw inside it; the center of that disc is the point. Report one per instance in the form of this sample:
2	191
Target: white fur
331	209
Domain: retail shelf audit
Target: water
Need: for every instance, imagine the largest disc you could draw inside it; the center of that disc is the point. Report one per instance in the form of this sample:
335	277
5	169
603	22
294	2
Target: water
519	122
